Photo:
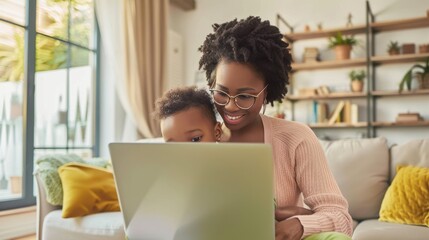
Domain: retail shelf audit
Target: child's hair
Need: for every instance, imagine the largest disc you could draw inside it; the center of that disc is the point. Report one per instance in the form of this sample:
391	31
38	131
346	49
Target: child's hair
180	99
255	43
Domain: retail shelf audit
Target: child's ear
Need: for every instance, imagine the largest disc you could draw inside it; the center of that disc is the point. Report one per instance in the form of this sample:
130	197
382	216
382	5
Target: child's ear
218	131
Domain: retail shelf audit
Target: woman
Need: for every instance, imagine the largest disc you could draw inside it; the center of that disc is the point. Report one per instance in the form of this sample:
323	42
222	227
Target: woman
247	66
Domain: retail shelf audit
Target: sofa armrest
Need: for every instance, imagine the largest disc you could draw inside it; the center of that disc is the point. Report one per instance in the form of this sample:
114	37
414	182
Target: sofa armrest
43	207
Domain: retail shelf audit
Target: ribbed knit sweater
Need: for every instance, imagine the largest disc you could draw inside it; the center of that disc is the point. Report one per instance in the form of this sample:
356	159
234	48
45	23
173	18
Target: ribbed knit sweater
300	166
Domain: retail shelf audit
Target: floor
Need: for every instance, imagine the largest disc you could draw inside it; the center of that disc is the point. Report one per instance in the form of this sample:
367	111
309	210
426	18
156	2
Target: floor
31	237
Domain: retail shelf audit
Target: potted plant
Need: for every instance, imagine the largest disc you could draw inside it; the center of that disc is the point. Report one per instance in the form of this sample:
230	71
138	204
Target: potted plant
422	76
342	45
356	78
393	48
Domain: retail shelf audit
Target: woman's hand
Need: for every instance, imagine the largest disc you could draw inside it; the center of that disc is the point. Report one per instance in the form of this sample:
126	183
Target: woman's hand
290	211
290	229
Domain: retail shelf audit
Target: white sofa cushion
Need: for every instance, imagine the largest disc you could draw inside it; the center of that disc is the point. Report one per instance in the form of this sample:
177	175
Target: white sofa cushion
415	152
374	229
106	225
361	168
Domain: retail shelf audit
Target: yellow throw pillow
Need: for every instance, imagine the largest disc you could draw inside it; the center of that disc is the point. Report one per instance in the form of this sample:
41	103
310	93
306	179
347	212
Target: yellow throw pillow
407	199
87	189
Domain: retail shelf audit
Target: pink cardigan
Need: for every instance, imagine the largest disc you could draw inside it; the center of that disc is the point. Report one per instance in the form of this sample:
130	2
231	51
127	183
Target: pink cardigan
301	167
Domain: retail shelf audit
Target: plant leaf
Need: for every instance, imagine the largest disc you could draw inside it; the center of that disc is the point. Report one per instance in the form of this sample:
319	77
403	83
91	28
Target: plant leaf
406	79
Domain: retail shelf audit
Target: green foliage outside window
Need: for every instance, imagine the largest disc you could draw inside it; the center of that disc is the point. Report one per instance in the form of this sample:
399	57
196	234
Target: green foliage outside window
51	54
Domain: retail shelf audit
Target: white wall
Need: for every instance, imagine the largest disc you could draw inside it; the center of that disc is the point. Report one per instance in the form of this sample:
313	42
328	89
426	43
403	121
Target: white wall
196	24
112	115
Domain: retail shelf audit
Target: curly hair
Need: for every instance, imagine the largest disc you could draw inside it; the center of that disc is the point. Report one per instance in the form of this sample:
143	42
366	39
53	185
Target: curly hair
180	99
255	43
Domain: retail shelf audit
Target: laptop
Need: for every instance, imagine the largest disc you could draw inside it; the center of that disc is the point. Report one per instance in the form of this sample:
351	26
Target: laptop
195	191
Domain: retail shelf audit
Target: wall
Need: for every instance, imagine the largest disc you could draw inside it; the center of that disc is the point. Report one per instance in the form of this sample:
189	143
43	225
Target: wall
195	25
112	115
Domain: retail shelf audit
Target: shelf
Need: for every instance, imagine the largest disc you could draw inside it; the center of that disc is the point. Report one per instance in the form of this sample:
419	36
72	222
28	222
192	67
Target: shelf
370	32
401	124
403	93
291	37
400	24
339	125
330	96
329	64
403	58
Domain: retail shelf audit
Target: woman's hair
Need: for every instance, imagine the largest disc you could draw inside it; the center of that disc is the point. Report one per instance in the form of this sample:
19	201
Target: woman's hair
180	99
255	43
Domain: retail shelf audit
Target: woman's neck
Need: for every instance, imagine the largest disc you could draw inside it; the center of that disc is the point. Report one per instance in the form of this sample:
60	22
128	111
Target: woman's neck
252	133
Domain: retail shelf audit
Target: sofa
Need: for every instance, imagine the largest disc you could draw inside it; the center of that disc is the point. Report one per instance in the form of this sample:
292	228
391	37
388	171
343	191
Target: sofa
51	225
363	168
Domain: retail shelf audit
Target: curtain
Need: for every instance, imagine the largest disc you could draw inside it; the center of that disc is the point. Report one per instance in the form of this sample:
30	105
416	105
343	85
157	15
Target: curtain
145	28
135	37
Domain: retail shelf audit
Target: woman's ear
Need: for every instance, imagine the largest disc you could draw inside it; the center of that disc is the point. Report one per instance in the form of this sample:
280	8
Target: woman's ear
218	131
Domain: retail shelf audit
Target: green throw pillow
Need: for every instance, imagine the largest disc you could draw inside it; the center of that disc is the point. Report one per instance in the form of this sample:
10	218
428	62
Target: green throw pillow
47	169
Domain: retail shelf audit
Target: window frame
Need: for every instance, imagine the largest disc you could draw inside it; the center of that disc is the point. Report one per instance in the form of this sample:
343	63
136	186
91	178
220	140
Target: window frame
28	198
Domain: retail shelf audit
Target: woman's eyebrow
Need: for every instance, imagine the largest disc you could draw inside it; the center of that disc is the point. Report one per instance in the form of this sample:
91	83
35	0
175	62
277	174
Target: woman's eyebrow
238	90
222	87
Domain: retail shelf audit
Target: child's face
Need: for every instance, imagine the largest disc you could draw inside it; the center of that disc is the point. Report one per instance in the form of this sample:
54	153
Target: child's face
190	125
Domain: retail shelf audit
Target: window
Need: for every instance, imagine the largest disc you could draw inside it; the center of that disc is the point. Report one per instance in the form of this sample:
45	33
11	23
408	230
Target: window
54	50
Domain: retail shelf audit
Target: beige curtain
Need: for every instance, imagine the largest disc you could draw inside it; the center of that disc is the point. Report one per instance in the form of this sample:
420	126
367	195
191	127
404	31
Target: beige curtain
145	52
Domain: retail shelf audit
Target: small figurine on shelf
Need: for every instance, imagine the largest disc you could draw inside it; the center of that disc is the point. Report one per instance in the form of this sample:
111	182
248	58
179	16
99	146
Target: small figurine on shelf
319	26
307	28
349	20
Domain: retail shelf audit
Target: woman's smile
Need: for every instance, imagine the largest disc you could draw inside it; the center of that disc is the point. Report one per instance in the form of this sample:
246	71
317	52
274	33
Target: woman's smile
233	118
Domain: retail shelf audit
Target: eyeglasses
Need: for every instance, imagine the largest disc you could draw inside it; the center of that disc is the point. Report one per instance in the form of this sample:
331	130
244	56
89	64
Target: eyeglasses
243	100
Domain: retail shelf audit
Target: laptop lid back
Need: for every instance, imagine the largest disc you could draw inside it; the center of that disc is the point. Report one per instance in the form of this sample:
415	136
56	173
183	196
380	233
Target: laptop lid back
195	191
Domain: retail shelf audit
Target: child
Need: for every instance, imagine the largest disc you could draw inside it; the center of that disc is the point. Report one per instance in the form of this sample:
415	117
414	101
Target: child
188	115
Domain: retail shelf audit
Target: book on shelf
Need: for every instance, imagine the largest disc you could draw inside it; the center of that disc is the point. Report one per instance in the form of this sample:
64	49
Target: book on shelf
347	113
336	114
315	111
354	109
320	112
323	90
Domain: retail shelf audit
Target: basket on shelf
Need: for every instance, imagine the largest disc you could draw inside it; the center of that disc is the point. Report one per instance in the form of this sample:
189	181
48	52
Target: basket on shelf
423	81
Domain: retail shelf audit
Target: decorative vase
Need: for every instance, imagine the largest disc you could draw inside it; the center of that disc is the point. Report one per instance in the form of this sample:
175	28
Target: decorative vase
342	52
357	86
